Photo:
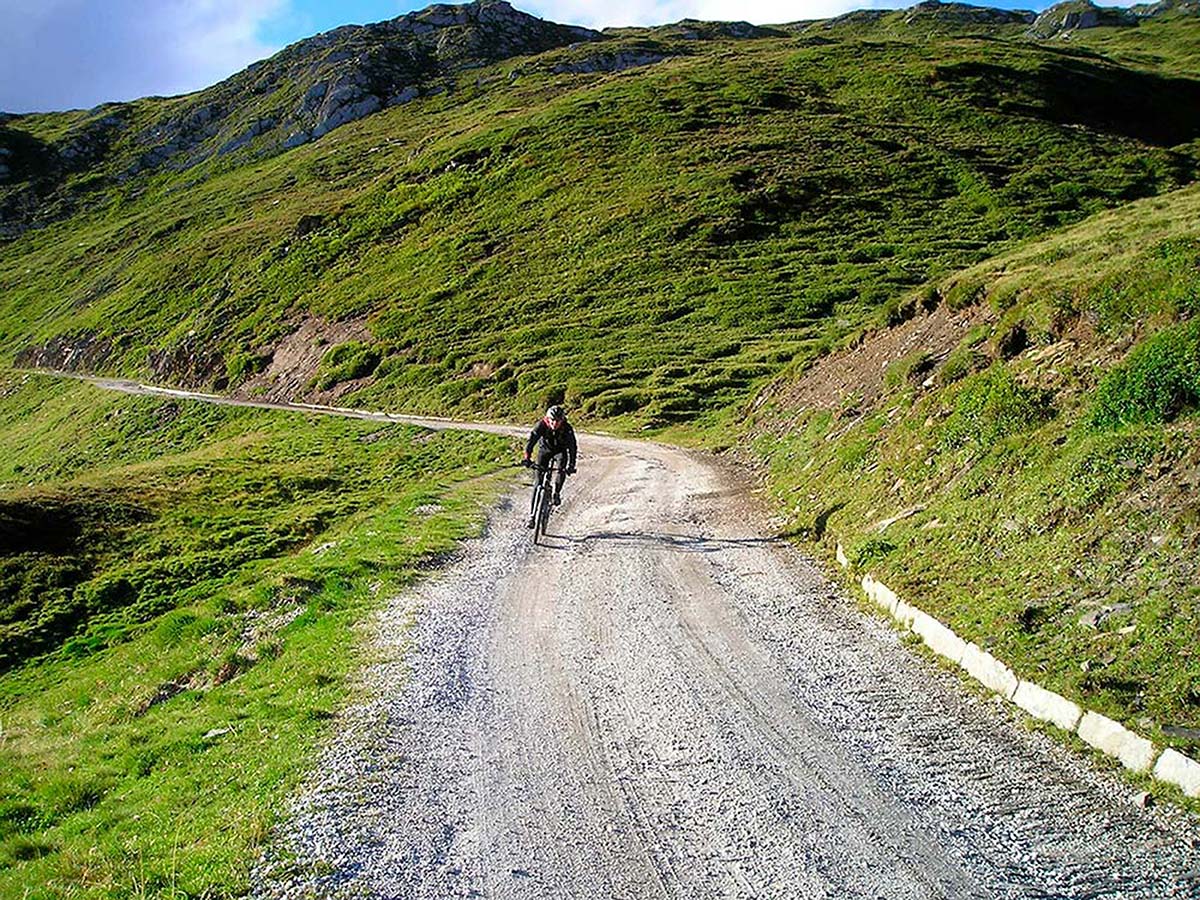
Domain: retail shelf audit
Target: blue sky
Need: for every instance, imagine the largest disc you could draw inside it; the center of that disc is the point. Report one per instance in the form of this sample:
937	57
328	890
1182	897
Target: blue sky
63	54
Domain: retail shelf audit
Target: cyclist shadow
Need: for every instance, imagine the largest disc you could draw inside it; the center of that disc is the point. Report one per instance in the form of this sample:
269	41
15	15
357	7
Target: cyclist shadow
660	540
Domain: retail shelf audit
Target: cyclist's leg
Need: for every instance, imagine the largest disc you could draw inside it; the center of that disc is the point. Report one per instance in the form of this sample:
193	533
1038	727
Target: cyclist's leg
560	476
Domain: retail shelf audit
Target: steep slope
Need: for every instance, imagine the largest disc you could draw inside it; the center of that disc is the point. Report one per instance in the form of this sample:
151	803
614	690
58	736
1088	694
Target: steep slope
1023	461
941	273
296	96
649	244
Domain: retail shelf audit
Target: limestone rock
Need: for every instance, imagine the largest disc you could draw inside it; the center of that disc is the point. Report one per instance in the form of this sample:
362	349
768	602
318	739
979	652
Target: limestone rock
1062	18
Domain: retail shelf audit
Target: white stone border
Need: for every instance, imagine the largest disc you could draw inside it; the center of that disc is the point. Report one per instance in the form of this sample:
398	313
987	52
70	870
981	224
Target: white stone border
1133	751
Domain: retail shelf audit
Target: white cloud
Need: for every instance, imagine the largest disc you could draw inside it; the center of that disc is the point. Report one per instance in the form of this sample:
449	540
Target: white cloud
60	54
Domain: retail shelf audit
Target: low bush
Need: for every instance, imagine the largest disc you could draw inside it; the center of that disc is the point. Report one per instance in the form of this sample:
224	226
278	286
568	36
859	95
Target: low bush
1157	381
993	405
963	293
870	550
240	366
346	362
909	370
899	309
962	362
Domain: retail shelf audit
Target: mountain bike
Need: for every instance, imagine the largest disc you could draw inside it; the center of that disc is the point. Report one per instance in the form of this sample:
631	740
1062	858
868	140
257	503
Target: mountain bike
543	495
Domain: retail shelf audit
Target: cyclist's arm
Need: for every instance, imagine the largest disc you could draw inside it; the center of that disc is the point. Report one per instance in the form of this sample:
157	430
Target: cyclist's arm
533	439
572	449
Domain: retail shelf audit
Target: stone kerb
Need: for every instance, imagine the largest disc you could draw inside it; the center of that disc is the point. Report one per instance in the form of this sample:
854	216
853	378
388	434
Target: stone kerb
1135	752
1047	706
989	671
937	637
1177	769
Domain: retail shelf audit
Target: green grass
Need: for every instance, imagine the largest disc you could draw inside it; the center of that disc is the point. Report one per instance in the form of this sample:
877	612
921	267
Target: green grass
1158	381
1048	483
650	247
148	743
659	249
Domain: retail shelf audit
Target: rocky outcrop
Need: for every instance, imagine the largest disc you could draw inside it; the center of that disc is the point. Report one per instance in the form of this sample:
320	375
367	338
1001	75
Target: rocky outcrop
299	95
1063	18
698	30
965	14
614	61
1058	20
84	352
344	75
1166	8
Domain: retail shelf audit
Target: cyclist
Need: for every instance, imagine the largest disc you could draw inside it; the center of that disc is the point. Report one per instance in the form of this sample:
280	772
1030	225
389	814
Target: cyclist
555	438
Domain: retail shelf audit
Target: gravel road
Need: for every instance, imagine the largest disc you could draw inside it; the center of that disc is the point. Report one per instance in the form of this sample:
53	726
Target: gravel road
664	702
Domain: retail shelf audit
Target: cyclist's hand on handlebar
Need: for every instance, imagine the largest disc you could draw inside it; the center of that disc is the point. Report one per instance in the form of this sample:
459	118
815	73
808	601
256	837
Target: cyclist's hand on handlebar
571	471
527	463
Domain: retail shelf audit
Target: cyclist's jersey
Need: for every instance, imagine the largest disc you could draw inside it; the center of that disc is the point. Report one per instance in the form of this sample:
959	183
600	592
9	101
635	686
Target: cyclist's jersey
553	441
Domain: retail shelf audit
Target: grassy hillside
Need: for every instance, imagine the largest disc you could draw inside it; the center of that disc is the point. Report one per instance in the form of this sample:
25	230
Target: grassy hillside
935	271
652	245
1023	462
180	587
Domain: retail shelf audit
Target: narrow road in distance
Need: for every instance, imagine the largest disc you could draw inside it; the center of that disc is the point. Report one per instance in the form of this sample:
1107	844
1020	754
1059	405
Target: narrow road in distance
666	702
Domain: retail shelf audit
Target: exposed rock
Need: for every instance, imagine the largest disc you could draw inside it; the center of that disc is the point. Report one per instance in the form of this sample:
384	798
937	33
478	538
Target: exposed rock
1094	617
965	14
337	77
1063	18
611	62
295	359
258	127
1165	8
83	352
190	363
698	30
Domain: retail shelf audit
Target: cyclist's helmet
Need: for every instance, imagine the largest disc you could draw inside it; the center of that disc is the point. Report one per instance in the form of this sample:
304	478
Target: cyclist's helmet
555	416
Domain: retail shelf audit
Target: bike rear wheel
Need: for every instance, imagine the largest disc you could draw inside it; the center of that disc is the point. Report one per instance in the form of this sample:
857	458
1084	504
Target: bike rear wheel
543	508
535	508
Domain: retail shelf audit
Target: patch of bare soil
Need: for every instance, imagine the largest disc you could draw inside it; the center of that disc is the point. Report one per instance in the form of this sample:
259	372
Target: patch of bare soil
855	376
295	359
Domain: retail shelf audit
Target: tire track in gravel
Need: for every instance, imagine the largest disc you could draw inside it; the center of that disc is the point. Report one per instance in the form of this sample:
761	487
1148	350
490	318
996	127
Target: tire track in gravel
666	704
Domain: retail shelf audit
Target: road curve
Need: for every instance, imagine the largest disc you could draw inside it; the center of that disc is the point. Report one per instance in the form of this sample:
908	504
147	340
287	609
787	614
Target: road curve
664	702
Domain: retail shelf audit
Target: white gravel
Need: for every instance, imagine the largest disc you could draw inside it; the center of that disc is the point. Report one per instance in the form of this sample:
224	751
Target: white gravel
663	703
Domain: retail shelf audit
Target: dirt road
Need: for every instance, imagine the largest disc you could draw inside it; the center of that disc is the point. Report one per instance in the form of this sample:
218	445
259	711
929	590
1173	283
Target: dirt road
665	702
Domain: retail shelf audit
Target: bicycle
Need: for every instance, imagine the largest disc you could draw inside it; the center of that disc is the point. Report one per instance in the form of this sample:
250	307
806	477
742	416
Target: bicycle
542	501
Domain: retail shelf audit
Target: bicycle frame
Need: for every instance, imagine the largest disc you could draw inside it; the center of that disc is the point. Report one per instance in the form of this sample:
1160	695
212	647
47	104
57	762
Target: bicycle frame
540	505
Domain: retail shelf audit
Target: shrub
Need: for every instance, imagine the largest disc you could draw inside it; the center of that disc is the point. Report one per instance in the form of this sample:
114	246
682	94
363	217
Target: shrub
242	365
993	405
899	309
870	550
909	370
961	363
963	293
1158	380
930	297
346	362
